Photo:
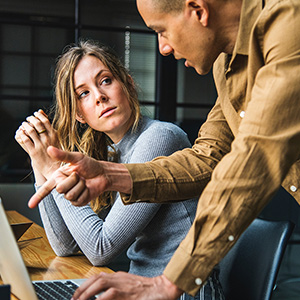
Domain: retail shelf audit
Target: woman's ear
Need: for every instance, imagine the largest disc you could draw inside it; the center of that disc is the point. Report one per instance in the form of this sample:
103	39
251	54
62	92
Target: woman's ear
199	9
80	118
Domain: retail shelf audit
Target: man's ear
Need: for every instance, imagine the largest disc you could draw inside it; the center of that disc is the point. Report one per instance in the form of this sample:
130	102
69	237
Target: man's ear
199	9
80	118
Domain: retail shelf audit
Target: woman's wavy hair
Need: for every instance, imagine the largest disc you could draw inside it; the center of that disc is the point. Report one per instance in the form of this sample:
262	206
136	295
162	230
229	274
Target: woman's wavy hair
73	135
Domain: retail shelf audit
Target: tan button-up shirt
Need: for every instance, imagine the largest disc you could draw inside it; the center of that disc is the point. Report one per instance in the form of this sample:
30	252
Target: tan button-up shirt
247	148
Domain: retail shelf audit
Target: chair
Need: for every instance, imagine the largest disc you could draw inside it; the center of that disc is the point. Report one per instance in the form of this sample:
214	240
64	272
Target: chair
250	268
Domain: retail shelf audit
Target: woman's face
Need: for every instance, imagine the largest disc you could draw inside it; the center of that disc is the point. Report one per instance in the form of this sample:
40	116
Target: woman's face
101	101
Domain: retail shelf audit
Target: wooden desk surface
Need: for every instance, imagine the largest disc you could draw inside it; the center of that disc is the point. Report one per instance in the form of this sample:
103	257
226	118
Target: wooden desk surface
41	261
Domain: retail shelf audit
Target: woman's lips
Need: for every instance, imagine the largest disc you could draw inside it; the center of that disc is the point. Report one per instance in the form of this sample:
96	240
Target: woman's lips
107	112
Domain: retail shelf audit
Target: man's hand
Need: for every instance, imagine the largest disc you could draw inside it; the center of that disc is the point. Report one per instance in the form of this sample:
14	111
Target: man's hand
125	286
83	178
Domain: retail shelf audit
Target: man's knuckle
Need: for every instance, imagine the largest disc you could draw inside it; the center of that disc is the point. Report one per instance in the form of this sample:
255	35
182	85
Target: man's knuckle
67	196
59	189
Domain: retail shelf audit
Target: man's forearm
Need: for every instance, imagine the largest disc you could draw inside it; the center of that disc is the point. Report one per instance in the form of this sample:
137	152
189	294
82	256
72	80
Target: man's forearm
118	177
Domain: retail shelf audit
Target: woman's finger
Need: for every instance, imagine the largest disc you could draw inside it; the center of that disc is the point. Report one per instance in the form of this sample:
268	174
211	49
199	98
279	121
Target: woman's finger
18	137
24	140
29	130
43	118
37	124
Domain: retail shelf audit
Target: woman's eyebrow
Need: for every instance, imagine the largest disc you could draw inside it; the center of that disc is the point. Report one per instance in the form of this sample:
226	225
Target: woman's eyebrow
99	74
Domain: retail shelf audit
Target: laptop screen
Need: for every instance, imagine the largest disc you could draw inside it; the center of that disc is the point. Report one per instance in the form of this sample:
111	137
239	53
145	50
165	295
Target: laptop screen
12	268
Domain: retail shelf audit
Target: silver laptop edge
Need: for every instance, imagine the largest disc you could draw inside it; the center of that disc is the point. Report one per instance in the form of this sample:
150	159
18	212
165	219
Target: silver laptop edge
12	267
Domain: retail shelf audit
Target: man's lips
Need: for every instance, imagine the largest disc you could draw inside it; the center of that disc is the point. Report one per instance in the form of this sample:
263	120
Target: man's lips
107	111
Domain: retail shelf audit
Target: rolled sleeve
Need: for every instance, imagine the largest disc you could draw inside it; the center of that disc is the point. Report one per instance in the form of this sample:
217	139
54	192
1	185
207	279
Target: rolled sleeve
143	184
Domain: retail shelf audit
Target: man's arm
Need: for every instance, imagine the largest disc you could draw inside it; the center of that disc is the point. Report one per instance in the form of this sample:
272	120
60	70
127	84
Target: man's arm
95	177
185	173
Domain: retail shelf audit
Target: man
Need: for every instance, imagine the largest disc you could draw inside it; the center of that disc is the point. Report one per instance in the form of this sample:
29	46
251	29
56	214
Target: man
246	149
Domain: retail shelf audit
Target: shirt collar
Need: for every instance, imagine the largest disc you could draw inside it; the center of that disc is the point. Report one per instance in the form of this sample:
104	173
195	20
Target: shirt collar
249	14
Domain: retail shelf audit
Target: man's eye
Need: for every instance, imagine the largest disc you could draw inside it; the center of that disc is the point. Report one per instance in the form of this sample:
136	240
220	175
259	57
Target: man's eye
160	33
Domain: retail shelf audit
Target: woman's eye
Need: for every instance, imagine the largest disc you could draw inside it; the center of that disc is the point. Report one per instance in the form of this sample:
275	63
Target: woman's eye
83	94
106	81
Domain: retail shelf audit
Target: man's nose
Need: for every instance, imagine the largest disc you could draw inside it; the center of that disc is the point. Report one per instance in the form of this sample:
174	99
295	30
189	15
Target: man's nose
164	47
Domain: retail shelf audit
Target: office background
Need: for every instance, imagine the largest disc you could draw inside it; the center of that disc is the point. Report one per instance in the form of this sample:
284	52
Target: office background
34	32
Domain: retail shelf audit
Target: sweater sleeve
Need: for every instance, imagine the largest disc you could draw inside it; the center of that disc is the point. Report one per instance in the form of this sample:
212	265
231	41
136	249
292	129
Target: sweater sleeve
60	239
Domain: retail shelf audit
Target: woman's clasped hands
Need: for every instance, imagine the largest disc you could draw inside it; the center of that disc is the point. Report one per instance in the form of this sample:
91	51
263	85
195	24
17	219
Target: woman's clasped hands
35	135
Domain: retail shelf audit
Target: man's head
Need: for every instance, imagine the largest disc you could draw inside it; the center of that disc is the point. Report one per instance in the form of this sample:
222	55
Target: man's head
194	30
167	6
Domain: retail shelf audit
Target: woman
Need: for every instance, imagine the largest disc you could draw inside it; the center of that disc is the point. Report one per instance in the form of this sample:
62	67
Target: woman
97	113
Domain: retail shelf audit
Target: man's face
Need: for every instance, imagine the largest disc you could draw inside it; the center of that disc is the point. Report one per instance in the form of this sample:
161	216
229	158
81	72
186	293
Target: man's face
181	34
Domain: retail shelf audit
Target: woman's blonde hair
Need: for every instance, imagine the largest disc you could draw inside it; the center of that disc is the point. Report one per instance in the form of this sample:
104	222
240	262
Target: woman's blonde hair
73	136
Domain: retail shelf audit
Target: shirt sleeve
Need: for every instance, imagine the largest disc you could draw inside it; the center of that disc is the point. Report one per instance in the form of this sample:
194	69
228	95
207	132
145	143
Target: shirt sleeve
184	174
265	147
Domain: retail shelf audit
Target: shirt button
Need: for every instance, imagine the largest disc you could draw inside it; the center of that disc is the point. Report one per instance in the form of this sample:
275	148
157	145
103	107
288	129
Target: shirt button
242	114
293	188
198	281
231	238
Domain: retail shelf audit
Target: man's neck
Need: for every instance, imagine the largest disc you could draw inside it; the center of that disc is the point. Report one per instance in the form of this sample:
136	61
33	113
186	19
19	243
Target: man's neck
229	20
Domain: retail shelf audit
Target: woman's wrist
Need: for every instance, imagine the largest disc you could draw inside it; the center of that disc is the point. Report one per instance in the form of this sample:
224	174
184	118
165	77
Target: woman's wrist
39	178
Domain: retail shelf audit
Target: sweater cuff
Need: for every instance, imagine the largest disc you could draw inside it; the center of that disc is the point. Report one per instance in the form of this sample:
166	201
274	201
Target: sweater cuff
187	272
143	188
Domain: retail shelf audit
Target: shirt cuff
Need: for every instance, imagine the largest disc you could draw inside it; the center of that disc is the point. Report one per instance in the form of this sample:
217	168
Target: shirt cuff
186	272
144	186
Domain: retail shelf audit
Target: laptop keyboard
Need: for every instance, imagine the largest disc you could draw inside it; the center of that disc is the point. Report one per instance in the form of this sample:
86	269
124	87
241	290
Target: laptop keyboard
55	290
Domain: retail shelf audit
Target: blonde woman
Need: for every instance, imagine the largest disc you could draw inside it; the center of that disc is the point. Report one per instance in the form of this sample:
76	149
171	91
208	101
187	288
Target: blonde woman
97	113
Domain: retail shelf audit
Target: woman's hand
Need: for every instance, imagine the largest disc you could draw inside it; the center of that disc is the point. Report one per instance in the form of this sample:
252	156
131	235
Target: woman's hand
35	135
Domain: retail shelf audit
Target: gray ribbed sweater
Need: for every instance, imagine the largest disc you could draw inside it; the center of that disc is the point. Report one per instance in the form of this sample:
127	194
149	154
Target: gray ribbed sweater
154	231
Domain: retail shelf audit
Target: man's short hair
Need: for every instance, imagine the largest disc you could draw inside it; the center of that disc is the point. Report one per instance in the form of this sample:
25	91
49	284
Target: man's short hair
168	6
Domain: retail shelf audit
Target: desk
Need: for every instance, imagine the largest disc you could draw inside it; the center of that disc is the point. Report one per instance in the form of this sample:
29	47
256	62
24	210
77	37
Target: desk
41	261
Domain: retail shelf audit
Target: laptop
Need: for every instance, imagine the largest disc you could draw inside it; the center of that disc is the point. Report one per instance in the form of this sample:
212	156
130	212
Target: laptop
13	271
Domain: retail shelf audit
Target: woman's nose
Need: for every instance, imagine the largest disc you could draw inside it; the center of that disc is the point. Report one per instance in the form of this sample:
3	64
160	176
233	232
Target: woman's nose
100	98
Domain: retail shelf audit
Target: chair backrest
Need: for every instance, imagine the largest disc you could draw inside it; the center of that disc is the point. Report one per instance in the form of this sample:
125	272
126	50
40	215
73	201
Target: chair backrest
250	268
